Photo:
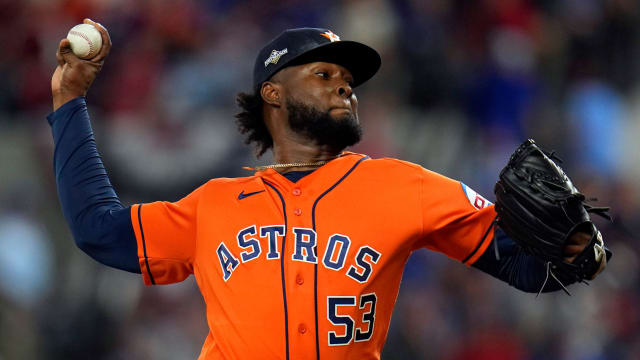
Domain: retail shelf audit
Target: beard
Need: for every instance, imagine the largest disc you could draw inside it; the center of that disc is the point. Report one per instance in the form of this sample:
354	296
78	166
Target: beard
323	129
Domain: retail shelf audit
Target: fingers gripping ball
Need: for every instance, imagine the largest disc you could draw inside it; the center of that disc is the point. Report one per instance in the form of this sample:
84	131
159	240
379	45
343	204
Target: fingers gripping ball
85	40
540	208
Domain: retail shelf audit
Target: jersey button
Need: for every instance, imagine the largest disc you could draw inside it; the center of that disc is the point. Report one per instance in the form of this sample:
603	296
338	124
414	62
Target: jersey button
297	212
296	192
299	280
302	328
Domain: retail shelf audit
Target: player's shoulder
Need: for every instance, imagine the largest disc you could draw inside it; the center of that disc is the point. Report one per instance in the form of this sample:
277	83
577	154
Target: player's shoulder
230	181
396	166
225	183
391	163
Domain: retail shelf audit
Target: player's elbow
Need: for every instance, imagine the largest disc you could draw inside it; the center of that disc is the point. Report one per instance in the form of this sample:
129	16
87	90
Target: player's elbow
100	229
90	242
110	241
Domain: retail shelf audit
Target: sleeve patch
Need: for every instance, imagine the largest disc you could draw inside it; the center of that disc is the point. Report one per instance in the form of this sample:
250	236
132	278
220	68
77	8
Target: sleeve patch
476	200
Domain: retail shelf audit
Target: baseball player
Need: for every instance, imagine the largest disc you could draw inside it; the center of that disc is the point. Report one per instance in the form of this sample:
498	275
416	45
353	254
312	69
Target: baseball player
302	259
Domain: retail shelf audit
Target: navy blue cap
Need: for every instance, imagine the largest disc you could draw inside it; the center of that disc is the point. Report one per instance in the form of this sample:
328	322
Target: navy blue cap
305	45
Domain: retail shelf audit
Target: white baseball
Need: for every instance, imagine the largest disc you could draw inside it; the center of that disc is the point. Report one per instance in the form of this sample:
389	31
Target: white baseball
86	40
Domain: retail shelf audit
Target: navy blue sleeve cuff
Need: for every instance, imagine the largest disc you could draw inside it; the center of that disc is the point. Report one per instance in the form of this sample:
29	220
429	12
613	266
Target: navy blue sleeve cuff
66	110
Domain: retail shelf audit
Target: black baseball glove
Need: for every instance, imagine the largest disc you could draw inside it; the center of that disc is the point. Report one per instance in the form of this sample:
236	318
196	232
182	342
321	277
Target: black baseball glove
541	209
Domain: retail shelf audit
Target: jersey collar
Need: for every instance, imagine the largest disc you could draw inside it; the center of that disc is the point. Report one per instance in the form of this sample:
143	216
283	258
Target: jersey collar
319	180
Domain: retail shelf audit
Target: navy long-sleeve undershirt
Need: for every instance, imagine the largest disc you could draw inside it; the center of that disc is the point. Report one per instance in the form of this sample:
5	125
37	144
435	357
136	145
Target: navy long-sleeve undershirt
101	225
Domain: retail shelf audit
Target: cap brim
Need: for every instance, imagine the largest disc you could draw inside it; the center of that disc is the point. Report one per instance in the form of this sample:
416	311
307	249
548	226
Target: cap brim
361	60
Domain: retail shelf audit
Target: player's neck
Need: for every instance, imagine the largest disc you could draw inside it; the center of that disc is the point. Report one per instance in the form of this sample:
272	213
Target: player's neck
290	147
300	152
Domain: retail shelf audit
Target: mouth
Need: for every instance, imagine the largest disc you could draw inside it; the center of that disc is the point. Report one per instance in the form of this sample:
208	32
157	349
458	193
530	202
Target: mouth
343	113
340	108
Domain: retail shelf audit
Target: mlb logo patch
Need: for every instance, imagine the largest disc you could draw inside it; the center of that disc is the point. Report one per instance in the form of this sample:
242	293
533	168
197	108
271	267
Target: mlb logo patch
476	200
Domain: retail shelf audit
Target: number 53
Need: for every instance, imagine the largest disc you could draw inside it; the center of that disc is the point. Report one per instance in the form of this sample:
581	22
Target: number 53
346	321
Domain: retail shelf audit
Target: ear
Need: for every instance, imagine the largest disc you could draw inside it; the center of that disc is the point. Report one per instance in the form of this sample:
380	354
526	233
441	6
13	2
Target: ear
271	93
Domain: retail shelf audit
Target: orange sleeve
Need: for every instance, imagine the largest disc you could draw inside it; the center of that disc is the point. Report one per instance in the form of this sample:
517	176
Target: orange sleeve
166	237
456	220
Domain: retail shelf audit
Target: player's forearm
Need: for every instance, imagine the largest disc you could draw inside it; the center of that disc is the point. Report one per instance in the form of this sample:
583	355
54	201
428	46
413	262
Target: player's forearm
100	224
520	270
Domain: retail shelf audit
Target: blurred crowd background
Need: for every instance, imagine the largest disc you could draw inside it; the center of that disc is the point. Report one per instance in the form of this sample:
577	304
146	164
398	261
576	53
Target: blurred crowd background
461	85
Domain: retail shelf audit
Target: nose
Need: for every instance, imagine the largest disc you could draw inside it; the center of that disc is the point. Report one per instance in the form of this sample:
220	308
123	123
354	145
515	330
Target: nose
345	91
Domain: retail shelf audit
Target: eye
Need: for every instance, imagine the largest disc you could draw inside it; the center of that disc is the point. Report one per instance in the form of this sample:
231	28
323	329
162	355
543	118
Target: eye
323	74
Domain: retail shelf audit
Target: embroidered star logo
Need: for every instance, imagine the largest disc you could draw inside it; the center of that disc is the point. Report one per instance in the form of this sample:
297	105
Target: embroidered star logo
331	36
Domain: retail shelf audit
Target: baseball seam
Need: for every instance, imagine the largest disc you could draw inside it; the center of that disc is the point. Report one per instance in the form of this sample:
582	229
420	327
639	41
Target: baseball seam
91	46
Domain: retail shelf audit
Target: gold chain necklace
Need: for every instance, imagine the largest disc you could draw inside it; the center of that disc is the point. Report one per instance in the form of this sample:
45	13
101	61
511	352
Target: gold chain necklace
277	166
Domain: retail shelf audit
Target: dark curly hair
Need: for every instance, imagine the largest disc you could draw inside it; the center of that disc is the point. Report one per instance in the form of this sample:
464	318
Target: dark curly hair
251	122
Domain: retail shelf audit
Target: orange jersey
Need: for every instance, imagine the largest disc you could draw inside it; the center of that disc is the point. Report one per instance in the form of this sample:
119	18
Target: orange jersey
308	270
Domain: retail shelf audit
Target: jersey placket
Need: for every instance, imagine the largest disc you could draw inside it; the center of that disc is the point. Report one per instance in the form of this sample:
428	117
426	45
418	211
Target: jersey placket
302	249
301	256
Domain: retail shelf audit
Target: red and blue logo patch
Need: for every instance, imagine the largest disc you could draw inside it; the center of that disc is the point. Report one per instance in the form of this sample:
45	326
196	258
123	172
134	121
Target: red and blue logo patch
475	199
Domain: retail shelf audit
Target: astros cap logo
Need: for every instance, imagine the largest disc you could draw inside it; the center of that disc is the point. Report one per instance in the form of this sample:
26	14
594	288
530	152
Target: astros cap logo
331	36
274	57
